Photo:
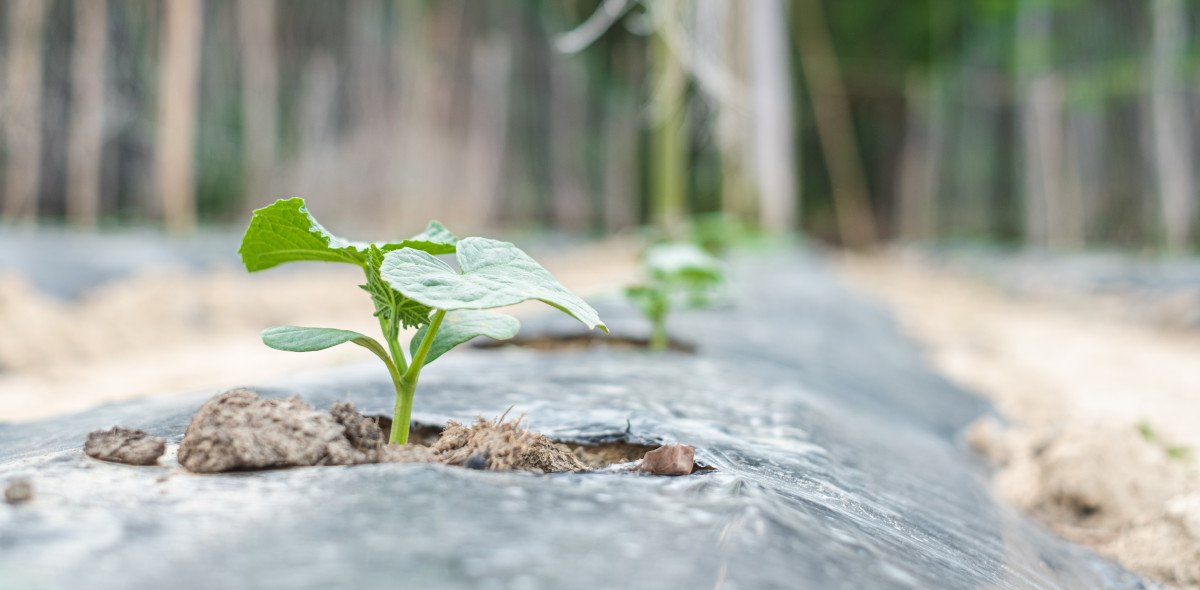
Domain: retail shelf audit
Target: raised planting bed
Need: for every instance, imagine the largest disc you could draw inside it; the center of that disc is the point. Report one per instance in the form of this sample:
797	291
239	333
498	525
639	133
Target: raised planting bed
837	456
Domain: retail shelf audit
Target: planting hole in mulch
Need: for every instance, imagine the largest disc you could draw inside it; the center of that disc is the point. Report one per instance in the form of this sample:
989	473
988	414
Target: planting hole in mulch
581	341
598	454
240	431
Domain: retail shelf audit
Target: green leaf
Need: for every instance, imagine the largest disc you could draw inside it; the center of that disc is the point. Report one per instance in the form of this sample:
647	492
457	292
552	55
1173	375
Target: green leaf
302	339
462	325
683	261
436	233
285	231
494	274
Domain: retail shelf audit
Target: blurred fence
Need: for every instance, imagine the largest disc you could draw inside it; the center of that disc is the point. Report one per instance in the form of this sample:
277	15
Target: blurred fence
1057	123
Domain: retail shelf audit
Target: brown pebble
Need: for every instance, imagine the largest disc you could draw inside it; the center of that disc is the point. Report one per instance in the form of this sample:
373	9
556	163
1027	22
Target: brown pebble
669	459
124	445
18	491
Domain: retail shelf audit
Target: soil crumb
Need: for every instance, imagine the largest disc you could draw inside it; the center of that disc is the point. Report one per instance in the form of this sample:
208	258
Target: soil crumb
238	431
124	445
18	491
669	459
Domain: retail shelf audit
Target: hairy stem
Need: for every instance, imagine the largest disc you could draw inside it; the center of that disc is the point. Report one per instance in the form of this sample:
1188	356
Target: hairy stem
406	384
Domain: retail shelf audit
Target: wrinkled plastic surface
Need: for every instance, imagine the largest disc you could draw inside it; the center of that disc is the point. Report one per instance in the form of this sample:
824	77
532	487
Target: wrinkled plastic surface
838	463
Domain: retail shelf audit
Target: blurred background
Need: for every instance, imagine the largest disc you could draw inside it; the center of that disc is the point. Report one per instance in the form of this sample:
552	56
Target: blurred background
1061	124
1046	146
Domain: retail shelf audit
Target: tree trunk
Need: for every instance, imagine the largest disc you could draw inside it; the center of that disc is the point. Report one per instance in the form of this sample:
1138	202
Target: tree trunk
774	149
835	128
86	145
256	32
669	140
179	71
487	133
571	207
1174	164
1052	218
23	120
920	161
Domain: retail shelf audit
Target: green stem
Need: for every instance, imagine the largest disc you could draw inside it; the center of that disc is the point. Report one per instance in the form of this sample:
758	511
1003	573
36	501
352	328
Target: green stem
406	384
391	335
658	333
402	414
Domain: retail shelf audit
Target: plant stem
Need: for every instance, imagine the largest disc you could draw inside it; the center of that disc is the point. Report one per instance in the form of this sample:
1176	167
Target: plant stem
406	384
658	333
391	335
402	414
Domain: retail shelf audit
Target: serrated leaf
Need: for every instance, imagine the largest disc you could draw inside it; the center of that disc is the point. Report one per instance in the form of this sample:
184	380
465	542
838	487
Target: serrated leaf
462	325
494	274
435	233
285	231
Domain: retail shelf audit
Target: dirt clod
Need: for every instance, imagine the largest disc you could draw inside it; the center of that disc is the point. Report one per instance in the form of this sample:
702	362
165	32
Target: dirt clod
124	445
238	431
18	491
362	432
669	459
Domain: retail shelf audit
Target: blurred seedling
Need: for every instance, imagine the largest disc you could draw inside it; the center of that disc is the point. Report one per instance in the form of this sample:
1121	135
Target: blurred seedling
411	288
1173	451
678	274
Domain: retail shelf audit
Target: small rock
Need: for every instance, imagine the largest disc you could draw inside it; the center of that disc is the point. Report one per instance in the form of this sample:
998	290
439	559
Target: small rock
669	459
477	461
18	491
124	445
238	431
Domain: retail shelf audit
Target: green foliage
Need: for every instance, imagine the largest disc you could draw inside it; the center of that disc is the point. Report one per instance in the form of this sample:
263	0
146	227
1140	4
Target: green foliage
409	287
677	273
1172	451
286	232
462	325
493	274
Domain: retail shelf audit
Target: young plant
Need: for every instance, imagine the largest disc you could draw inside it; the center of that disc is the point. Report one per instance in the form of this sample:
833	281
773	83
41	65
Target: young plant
678	273
410	288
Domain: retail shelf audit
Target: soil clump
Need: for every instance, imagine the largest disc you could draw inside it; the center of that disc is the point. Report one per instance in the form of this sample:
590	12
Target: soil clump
124	445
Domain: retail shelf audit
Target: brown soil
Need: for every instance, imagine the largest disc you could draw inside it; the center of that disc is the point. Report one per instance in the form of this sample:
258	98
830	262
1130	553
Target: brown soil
583	341
239	431
124	445
1100	438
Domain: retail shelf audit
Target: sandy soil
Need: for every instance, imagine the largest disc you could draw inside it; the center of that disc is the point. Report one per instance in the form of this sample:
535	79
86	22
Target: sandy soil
1101	416
165	331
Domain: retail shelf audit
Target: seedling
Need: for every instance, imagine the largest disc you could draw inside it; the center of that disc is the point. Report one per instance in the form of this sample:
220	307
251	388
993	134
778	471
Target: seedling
678	273
410	288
